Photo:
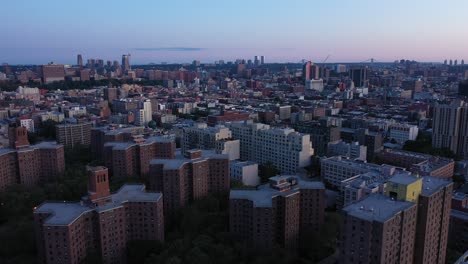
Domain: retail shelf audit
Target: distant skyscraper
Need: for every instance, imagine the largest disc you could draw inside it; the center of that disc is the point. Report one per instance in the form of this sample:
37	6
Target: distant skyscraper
79	61
126	62
455	63
462	62
445	62
148	112
256	61
306	71
451	63
359	75
262	60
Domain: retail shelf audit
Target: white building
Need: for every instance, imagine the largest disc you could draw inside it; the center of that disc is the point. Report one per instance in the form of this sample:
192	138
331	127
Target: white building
403	132
27	123
336	169
316	85
230	147
55	116
147	111
350	150
219	138
286	149
246	172
284	112
76	111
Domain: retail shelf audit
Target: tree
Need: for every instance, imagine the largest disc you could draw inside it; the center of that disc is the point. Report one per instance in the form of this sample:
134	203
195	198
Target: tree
267	170
47	129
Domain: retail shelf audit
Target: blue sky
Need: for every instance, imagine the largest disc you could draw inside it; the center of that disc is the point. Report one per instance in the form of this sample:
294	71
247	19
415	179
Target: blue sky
38	31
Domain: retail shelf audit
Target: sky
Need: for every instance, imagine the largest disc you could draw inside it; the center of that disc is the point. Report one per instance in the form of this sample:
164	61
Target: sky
155	31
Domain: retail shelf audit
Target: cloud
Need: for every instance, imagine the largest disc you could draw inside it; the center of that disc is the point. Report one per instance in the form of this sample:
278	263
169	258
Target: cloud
170	49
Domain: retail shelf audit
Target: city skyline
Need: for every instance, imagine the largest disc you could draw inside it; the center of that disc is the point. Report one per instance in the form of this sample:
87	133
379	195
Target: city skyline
206	31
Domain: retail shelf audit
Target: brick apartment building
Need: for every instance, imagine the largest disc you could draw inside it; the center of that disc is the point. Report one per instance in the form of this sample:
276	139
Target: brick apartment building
71	135
132	158
458	231
378	230
277	213
102	223
29	165
409	224
102	135
421	164
189	178
227	116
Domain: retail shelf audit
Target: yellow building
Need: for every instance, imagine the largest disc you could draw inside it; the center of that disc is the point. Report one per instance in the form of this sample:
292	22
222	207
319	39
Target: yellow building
404	187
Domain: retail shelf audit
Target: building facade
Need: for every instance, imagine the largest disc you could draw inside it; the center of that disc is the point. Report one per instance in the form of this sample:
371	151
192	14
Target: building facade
277	213
72	135
188	178
286	149
450	127
102	223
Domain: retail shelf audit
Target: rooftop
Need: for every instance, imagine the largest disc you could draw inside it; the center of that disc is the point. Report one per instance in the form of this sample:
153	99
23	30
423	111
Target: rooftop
433	184
404	179
377	207
262	197
174	164
65	213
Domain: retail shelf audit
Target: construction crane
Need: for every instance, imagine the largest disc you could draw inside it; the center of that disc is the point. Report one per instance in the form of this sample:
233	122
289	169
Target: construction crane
325	60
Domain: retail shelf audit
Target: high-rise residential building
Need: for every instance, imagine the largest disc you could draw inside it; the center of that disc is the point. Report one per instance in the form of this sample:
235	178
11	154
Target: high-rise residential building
285	148
126	62
433	197
71	135
29	165
262	60
256	61
131	158
306	71
458	231
320	133
218	138
277	213
189	178
359	75
378	229
147	111
314	71
53	73
79	61
101	223
102	135
450	127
